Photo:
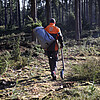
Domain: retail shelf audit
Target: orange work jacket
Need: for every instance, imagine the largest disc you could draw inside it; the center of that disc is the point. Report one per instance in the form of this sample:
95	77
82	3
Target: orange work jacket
55	32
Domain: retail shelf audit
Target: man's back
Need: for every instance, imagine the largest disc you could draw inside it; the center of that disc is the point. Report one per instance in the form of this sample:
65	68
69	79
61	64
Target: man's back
52	29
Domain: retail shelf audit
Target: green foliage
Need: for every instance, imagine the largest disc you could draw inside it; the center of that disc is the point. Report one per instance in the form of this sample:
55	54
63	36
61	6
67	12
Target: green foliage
38	71
89	70
92	89
4	61
41	17
16	49
6	55
15	57
86	25
3	66
35	24
22	62
70	25
2	28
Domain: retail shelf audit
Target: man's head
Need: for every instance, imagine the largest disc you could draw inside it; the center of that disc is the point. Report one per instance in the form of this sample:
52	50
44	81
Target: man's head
52	20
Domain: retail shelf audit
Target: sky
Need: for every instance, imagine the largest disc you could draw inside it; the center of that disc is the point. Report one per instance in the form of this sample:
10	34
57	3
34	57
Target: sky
21	3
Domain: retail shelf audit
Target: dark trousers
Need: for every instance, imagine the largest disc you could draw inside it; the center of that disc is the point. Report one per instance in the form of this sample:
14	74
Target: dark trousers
52	56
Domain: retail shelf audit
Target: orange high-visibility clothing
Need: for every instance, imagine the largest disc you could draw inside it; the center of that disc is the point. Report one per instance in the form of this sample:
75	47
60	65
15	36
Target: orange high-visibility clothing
56	33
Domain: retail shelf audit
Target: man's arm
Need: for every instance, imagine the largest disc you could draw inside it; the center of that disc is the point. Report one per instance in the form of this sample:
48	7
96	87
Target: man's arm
60	38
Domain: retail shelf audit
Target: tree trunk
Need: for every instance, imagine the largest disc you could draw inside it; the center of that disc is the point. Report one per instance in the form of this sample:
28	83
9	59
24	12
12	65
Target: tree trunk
77	19
48	12
62	11
69	6
90	12
15	15
66	10
55	8
96	12
0	13
99	12
59	12
73	5
87	15
5	14
33	10
84	9
80	23
18	14
23	11
10	22
33	15
52	9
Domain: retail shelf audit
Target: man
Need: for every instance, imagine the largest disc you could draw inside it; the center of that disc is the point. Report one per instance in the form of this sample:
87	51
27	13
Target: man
52	51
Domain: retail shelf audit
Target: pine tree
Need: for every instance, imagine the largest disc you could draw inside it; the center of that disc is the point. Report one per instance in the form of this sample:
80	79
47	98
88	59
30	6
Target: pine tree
77	19
5	14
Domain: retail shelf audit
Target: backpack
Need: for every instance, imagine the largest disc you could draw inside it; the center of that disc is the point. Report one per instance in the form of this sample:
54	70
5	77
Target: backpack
45	39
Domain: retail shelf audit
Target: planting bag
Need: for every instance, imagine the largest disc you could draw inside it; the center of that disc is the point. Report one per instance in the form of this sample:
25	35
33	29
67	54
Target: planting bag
45	39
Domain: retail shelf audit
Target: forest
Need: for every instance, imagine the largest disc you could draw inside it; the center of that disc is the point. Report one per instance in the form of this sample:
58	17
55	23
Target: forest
24	67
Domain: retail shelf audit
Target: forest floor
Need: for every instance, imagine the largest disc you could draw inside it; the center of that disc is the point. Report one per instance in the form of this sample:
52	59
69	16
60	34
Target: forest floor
33	81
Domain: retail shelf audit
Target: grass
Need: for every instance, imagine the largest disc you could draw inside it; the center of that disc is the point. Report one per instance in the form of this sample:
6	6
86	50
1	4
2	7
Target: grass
75	94
88	70
86	55
33	70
